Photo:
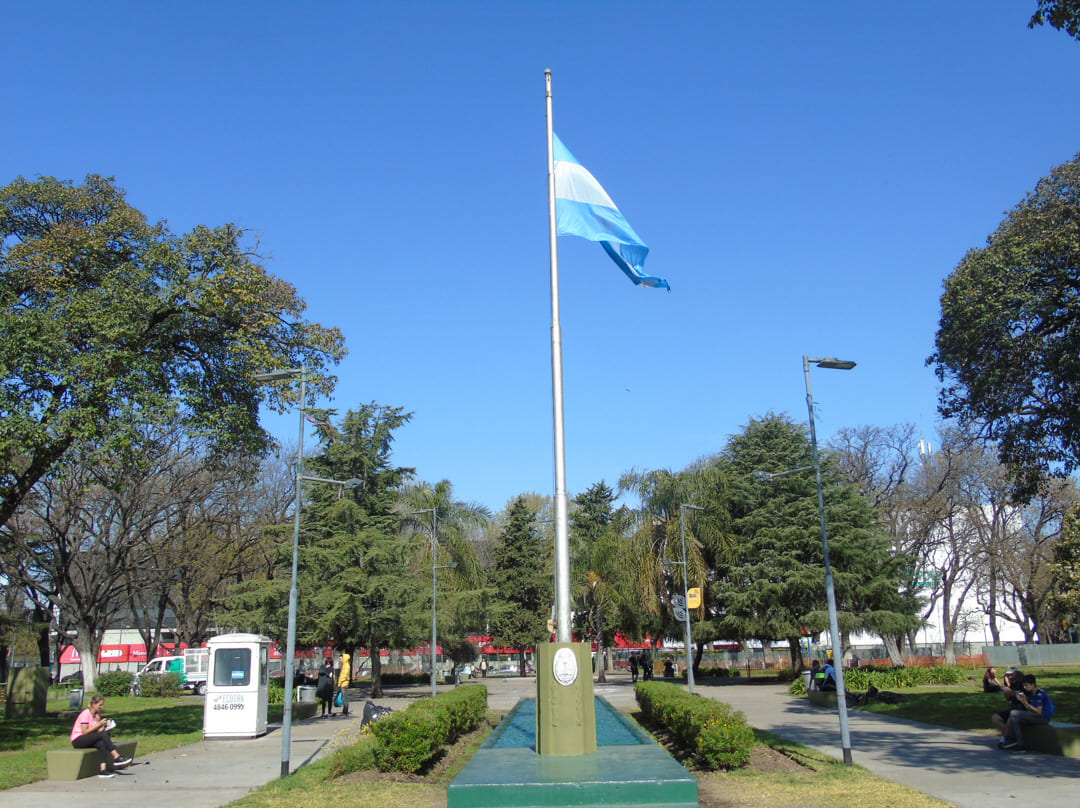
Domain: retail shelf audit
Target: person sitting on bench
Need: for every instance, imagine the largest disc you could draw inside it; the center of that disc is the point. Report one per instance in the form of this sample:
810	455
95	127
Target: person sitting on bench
828	683
92	729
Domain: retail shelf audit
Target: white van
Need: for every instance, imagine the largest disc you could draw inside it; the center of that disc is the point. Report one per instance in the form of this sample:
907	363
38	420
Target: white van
192	667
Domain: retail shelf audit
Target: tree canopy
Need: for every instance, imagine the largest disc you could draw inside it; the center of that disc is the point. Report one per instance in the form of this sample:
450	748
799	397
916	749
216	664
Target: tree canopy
1008	343
1061	14
107	321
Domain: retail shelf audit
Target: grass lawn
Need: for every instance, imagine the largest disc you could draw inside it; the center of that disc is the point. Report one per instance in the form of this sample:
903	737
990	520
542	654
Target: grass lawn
155	723
967	707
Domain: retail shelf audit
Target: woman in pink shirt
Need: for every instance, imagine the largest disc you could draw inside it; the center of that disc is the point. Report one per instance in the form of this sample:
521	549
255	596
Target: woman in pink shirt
92	729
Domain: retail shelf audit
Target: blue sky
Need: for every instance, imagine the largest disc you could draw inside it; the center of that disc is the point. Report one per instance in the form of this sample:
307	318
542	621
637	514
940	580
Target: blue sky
805	174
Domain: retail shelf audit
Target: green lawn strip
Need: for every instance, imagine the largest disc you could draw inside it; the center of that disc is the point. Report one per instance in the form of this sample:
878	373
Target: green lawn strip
823	781
310	787
963	707
156	724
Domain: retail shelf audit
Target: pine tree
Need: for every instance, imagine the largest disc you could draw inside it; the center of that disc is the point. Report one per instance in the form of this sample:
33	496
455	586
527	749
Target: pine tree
523	592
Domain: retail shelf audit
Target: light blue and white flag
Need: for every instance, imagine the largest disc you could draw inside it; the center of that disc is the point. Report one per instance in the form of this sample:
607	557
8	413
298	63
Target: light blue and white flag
583	208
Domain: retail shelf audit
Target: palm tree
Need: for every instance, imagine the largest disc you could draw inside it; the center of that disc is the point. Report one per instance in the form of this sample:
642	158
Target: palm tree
652	553
423	507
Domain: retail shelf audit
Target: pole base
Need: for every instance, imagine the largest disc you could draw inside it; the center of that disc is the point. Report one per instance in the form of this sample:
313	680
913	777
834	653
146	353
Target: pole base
565	706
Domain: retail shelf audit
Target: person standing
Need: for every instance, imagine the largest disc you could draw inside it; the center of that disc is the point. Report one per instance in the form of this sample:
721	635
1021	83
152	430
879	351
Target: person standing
324	688
483	667
1036	708
633	668
91	729
343	682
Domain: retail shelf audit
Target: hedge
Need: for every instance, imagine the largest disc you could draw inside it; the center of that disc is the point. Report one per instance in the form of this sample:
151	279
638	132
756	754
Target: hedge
860	679
405	741
717	736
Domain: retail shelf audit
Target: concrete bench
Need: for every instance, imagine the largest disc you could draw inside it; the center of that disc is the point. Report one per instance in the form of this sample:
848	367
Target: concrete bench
822	698
1053	739
75	764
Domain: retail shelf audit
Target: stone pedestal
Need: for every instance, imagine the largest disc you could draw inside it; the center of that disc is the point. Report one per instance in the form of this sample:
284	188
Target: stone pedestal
565	706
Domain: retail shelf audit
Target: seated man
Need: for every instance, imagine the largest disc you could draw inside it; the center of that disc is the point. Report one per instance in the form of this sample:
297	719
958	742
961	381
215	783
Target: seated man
1014	681
828	681
1036	708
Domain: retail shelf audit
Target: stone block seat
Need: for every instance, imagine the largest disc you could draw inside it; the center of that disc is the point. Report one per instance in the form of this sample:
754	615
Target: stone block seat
75	764
1054	738
822	698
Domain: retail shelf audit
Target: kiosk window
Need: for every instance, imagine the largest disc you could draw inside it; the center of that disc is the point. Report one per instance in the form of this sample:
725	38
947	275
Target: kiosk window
232	667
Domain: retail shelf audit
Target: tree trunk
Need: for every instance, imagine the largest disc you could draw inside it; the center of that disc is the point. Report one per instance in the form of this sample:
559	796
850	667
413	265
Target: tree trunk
795	652
87	645
376	669
892	648
601	674
43	620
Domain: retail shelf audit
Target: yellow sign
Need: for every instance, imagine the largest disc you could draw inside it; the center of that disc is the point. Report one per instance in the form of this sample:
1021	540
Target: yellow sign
693	598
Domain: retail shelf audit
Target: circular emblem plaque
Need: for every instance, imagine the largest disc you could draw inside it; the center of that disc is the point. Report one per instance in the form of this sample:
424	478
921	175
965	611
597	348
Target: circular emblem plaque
565	667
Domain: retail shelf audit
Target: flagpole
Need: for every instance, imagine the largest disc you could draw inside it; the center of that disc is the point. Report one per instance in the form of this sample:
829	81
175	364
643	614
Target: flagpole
562	533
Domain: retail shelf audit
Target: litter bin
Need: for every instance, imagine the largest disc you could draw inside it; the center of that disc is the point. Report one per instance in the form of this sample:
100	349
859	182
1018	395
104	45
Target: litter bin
75	698
806	679
305	694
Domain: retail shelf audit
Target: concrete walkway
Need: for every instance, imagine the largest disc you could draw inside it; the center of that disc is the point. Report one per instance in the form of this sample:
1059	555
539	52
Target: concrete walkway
963	768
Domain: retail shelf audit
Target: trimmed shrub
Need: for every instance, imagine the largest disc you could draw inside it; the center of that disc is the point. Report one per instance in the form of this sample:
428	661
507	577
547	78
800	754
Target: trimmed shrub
405	741
114	683
717	735
166	685
858	680
275	693
354	757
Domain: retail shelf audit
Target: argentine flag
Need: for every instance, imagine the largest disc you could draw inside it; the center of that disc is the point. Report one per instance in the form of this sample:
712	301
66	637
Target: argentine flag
583	208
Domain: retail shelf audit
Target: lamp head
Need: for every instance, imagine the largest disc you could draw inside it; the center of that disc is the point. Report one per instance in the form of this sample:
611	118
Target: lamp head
832	363
278	375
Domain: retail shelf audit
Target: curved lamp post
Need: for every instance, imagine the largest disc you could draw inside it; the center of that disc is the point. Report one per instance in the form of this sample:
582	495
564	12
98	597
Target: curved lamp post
831	363
686	593
298	480
435	567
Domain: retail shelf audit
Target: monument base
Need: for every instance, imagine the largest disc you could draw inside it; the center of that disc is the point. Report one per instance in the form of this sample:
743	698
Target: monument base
628	769
565	708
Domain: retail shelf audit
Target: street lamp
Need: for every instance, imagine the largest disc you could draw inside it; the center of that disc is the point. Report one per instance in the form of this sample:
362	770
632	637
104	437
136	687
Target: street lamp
298	481
769	476
686	593
831	363
290	645
435	567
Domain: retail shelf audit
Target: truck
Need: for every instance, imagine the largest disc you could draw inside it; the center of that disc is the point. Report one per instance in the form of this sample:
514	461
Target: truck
192	666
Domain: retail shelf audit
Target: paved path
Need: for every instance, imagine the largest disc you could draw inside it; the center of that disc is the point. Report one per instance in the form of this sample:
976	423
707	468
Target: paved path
964	768
960	767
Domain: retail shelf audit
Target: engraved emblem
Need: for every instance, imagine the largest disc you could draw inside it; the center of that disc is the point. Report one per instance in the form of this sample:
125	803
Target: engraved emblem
565	667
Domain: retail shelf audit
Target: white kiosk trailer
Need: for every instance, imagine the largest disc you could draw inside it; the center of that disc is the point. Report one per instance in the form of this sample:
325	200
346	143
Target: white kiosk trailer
237	686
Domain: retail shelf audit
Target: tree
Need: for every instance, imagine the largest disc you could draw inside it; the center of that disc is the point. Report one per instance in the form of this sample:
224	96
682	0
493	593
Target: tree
1009	336
462	594
524	593
105	318
595	563
1061	14
354	586
1066	573
774	588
